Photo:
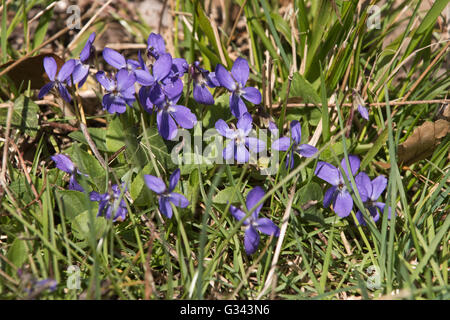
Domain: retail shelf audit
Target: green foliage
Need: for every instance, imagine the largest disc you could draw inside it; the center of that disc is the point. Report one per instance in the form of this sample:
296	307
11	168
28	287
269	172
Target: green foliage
24	117
199	253
17	254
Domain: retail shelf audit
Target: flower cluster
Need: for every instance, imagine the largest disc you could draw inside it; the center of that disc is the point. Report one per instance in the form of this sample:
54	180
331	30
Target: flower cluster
340	196
74	71
109	203
155	81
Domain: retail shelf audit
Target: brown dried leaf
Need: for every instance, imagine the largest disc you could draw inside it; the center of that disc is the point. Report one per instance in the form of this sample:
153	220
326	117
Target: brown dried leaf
31	68
443	112
423	141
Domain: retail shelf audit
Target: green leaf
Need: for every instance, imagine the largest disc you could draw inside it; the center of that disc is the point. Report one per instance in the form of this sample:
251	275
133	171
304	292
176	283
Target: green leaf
86	162
158	147
25	116
122	131
228	194
300	88
193	189
220	110
188	162
379	143
82	229
310	115
42	27
432	15
282	26
323	16
98	135
206	28
4	35
213	58
22	189
115	136
275	33
427	22
312	191
72	203
337	148
17	254
140	194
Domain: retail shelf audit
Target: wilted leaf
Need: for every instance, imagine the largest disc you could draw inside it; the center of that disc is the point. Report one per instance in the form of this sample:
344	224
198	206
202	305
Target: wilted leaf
423	141
31	68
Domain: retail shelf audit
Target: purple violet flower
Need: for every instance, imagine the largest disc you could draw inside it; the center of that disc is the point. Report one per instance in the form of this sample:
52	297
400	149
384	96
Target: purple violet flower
120	91
253	223
161	85
110	203
239	139
166	86
360	102
284	143
155	45
179	68
36	287
81	70
49	283
145	78
202	79
59	81
169	114
118	61
369	192
273	128
64	163
235	83
363	111
166	196
154	94
338	194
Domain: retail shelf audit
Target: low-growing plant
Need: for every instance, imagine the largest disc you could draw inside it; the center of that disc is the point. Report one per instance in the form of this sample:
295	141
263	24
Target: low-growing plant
147	196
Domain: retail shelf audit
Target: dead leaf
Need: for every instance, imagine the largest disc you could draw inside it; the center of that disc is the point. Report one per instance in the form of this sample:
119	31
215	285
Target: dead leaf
31	68
383	165
423	141
443	112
